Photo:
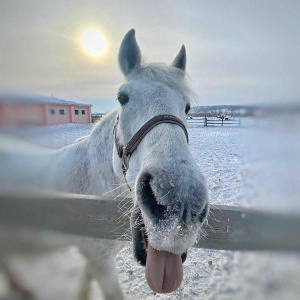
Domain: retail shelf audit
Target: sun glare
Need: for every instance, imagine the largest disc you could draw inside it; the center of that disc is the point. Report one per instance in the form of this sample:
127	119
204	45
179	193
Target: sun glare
93	42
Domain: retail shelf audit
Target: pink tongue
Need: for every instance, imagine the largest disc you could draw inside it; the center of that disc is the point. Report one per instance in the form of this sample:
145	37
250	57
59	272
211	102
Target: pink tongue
163	270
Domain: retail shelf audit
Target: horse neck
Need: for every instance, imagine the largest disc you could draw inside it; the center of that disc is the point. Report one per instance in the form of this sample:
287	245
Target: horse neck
100	152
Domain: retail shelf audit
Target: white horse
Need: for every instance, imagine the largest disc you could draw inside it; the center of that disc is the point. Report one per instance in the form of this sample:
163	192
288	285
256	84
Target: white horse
169	192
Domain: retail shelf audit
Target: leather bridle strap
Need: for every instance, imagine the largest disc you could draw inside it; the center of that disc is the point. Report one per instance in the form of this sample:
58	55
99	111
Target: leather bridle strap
125	152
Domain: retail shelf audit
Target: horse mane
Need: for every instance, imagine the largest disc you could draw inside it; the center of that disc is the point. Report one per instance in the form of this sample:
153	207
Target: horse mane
171	76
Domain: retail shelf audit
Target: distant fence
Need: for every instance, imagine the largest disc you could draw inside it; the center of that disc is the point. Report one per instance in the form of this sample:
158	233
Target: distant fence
228	227
97	117
195	122
207	122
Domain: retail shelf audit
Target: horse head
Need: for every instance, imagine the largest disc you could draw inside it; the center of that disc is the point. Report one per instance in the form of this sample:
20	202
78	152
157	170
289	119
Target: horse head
170	197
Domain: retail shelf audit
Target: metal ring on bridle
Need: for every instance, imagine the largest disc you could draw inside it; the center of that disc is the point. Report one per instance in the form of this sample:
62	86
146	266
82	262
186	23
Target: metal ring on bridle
125	152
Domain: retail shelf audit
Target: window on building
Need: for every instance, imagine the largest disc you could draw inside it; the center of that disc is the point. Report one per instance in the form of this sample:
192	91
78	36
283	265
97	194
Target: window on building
62	112
83	111
52	111
76	112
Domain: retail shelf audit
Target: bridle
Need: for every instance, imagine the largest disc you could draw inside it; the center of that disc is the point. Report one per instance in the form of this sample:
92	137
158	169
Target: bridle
125	152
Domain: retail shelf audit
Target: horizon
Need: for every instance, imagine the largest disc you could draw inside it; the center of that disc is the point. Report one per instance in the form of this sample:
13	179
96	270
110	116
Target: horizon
105	106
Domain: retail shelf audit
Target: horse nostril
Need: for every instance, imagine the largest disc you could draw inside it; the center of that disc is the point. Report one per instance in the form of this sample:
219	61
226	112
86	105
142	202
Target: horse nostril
203	213
153	209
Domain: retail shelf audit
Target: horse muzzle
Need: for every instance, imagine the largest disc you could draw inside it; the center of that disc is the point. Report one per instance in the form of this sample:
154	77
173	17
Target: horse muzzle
164	225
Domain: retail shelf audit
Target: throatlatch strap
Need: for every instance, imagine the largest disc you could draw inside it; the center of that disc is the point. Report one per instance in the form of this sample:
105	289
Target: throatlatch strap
118	146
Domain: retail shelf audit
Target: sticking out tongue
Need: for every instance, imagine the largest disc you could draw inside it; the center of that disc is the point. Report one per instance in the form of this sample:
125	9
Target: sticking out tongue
163	270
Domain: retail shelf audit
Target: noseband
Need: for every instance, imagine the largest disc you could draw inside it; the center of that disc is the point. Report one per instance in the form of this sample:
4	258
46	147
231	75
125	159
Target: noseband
125	152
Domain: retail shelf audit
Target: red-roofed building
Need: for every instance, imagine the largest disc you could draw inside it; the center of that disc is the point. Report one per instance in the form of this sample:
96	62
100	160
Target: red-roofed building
19	110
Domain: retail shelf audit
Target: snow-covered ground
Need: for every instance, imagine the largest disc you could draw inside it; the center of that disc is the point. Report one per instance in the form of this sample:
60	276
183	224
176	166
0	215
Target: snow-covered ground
254	166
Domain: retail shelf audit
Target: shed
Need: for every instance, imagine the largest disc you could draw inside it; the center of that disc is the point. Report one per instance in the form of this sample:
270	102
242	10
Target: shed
20	110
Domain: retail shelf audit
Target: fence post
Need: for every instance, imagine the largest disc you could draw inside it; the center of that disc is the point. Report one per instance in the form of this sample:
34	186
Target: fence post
205	120
222	121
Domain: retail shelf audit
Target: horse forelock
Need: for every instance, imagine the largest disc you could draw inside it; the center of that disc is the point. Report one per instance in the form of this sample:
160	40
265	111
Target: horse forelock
171	76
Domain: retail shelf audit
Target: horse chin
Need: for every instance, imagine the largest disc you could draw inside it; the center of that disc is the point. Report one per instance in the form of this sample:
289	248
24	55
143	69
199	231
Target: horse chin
163	270
140	239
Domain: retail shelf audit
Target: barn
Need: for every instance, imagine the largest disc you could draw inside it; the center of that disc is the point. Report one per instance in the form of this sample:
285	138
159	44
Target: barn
20	110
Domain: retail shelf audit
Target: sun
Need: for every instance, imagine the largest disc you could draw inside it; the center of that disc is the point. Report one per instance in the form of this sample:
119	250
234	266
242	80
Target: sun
93	42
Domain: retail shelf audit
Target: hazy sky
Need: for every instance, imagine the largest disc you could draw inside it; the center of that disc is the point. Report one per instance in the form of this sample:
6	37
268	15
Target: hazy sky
239	52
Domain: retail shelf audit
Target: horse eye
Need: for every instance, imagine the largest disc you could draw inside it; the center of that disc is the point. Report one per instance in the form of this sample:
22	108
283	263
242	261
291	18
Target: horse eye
123	98
187	108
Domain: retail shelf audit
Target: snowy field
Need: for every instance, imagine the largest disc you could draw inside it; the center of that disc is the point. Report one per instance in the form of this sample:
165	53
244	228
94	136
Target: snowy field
252	166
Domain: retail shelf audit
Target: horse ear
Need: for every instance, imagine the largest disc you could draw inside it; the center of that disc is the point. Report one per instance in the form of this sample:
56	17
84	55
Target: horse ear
129	53
180	60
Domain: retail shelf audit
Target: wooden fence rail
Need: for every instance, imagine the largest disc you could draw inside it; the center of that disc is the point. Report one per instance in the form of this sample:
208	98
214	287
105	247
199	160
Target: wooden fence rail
229	228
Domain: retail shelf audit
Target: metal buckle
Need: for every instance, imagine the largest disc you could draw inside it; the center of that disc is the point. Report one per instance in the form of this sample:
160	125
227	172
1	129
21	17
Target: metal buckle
125	158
